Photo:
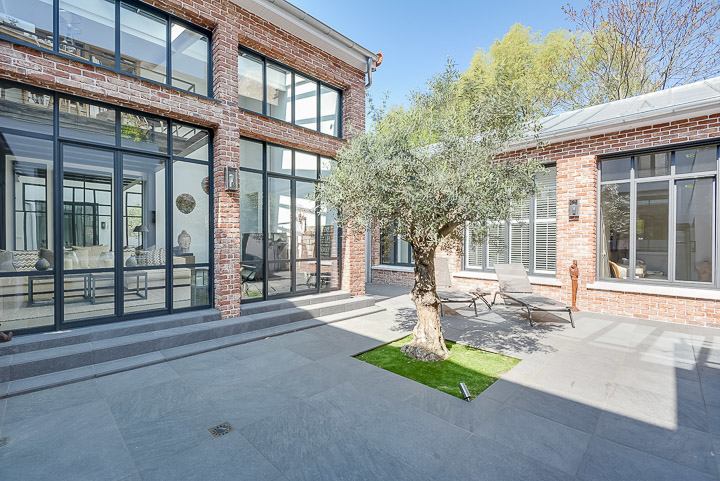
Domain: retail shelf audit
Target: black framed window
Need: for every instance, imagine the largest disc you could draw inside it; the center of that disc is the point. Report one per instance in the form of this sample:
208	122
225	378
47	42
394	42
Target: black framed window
527	238
121	35
657	218
394	250
108	213
290	243
278	91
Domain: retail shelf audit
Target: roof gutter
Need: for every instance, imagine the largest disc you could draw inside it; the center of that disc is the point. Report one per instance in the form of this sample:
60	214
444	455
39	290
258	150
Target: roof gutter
373	60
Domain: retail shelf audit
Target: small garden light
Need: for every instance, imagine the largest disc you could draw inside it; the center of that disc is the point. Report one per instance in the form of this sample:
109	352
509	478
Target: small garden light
465	392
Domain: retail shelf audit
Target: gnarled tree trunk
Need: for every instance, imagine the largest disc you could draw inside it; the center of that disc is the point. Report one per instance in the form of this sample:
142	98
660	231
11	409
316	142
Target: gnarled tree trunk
428	342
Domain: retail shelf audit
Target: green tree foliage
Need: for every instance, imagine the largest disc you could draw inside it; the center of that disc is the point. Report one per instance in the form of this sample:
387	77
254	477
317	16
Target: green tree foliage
430	168
541	66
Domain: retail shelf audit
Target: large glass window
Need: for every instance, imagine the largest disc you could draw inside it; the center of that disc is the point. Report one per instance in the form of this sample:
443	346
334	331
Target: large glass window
29	21
527	238
283	250
658	216
190	51
268	88
87	31
394	250
143	48
119	193
250	82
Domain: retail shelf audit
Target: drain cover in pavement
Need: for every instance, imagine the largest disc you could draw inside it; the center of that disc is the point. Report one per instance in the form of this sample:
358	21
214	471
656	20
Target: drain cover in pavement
221	430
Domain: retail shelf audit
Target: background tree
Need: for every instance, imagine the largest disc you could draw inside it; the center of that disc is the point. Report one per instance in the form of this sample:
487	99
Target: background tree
625	48
427	170
542	67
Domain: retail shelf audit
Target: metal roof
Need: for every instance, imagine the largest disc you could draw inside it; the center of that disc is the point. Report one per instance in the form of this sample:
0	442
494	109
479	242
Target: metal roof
691	100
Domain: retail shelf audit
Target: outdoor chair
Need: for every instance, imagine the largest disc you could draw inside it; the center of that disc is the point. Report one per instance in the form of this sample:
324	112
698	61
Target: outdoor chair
447	293
515	286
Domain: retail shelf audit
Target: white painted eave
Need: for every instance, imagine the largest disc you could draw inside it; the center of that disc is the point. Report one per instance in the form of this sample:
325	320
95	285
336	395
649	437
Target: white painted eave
306	27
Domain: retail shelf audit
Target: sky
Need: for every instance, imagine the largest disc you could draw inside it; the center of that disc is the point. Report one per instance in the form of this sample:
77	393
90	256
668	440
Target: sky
417	37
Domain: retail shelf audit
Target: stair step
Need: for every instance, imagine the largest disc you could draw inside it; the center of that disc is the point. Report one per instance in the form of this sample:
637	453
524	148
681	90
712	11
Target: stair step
279	304
50	340
46	361
82	373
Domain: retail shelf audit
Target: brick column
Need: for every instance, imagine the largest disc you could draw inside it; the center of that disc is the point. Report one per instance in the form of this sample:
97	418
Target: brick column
576	238
353	262
228	265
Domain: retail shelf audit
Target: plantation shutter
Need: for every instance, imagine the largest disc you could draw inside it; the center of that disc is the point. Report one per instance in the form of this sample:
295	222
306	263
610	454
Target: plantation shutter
520	243
496	243
473	250
545	251
546	222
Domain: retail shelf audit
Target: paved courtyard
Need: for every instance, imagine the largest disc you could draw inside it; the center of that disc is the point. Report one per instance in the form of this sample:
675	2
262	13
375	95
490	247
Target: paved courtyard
614	399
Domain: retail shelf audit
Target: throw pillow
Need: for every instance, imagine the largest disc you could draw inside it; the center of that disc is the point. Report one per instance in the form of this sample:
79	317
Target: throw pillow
48	255
24	261
70	261
6	261
106	259
83	255
42	264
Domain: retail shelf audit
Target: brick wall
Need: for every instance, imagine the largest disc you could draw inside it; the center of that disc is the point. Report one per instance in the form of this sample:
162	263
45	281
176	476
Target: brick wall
231	26
577	179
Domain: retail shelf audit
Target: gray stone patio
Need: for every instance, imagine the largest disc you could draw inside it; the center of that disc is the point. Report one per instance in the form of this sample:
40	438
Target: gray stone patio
614	399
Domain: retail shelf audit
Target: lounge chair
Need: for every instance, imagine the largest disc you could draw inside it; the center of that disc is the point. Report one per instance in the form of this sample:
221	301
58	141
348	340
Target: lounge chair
515	286
447	293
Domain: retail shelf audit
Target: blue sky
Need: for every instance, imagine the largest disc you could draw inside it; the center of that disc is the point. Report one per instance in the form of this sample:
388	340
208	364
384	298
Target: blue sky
417	37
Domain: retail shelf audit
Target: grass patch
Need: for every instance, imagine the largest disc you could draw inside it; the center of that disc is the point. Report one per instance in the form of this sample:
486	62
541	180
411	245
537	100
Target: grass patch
477	369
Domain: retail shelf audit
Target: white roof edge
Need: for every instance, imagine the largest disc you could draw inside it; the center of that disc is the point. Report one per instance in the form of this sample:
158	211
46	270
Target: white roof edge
303	25
706	102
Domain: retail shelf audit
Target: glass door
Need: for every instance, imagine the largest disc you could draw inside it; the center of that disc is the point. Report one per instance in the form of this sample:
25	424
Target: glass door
89	234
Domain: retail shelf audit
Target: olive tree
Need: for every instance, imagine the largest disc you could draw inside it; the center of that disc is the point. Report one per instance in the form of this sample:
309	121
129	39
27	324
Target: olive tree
428	169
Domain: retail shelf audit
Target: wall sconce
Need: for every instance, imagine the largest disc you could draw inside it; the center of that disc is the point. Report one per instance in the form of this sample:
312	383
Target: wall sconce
231	179
574	208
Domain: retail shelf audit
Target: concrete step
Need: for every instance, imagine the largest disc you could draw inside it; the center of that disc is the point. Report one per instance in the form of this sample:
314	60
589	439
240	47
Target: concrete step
81	373
49	360
48	340
279	304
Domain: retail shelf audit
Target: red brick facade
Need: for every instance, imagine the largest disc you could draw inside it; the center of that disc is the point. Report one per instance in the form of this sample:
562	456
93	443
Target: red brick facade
231	26
576	162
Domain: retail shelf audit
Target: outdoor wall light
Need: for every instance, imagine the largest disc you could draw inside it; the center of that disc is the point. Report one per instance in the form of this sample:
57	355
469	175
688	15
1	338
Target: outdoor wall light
574	208
464	391
231	179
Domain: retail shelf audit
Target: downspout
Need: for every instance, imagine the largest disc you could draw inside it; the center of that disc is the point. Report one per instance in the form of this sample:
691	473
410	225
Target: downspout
370	70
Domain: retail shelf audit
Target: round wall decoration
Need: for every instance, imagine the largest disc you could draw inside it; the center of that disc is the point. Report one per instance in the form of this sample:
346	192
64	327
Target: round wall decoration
206	185
185	203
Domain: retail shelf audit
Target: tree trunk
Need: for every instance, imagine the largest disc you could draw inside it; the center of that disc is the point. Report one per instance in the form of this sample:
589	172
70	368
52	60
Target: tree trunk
428	342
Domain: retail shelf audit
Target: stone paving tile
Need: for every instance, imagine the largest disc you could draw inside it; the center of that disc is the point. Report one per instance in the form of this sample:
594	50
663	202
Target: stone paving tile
609	461
350	406
306	380
578	415
667	383
294	434
468	416
149	403
606	368
314	349
633	401
665	440
711	394
354	459
414	436
30	406
206	363
481	459
272	363
570	385
229	457
153	441
546	441
127	381
77	442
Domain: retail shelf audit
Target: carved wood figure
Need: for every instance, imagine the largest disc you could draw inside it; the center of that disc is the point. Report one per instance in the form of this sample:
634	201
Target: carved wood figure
574	275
